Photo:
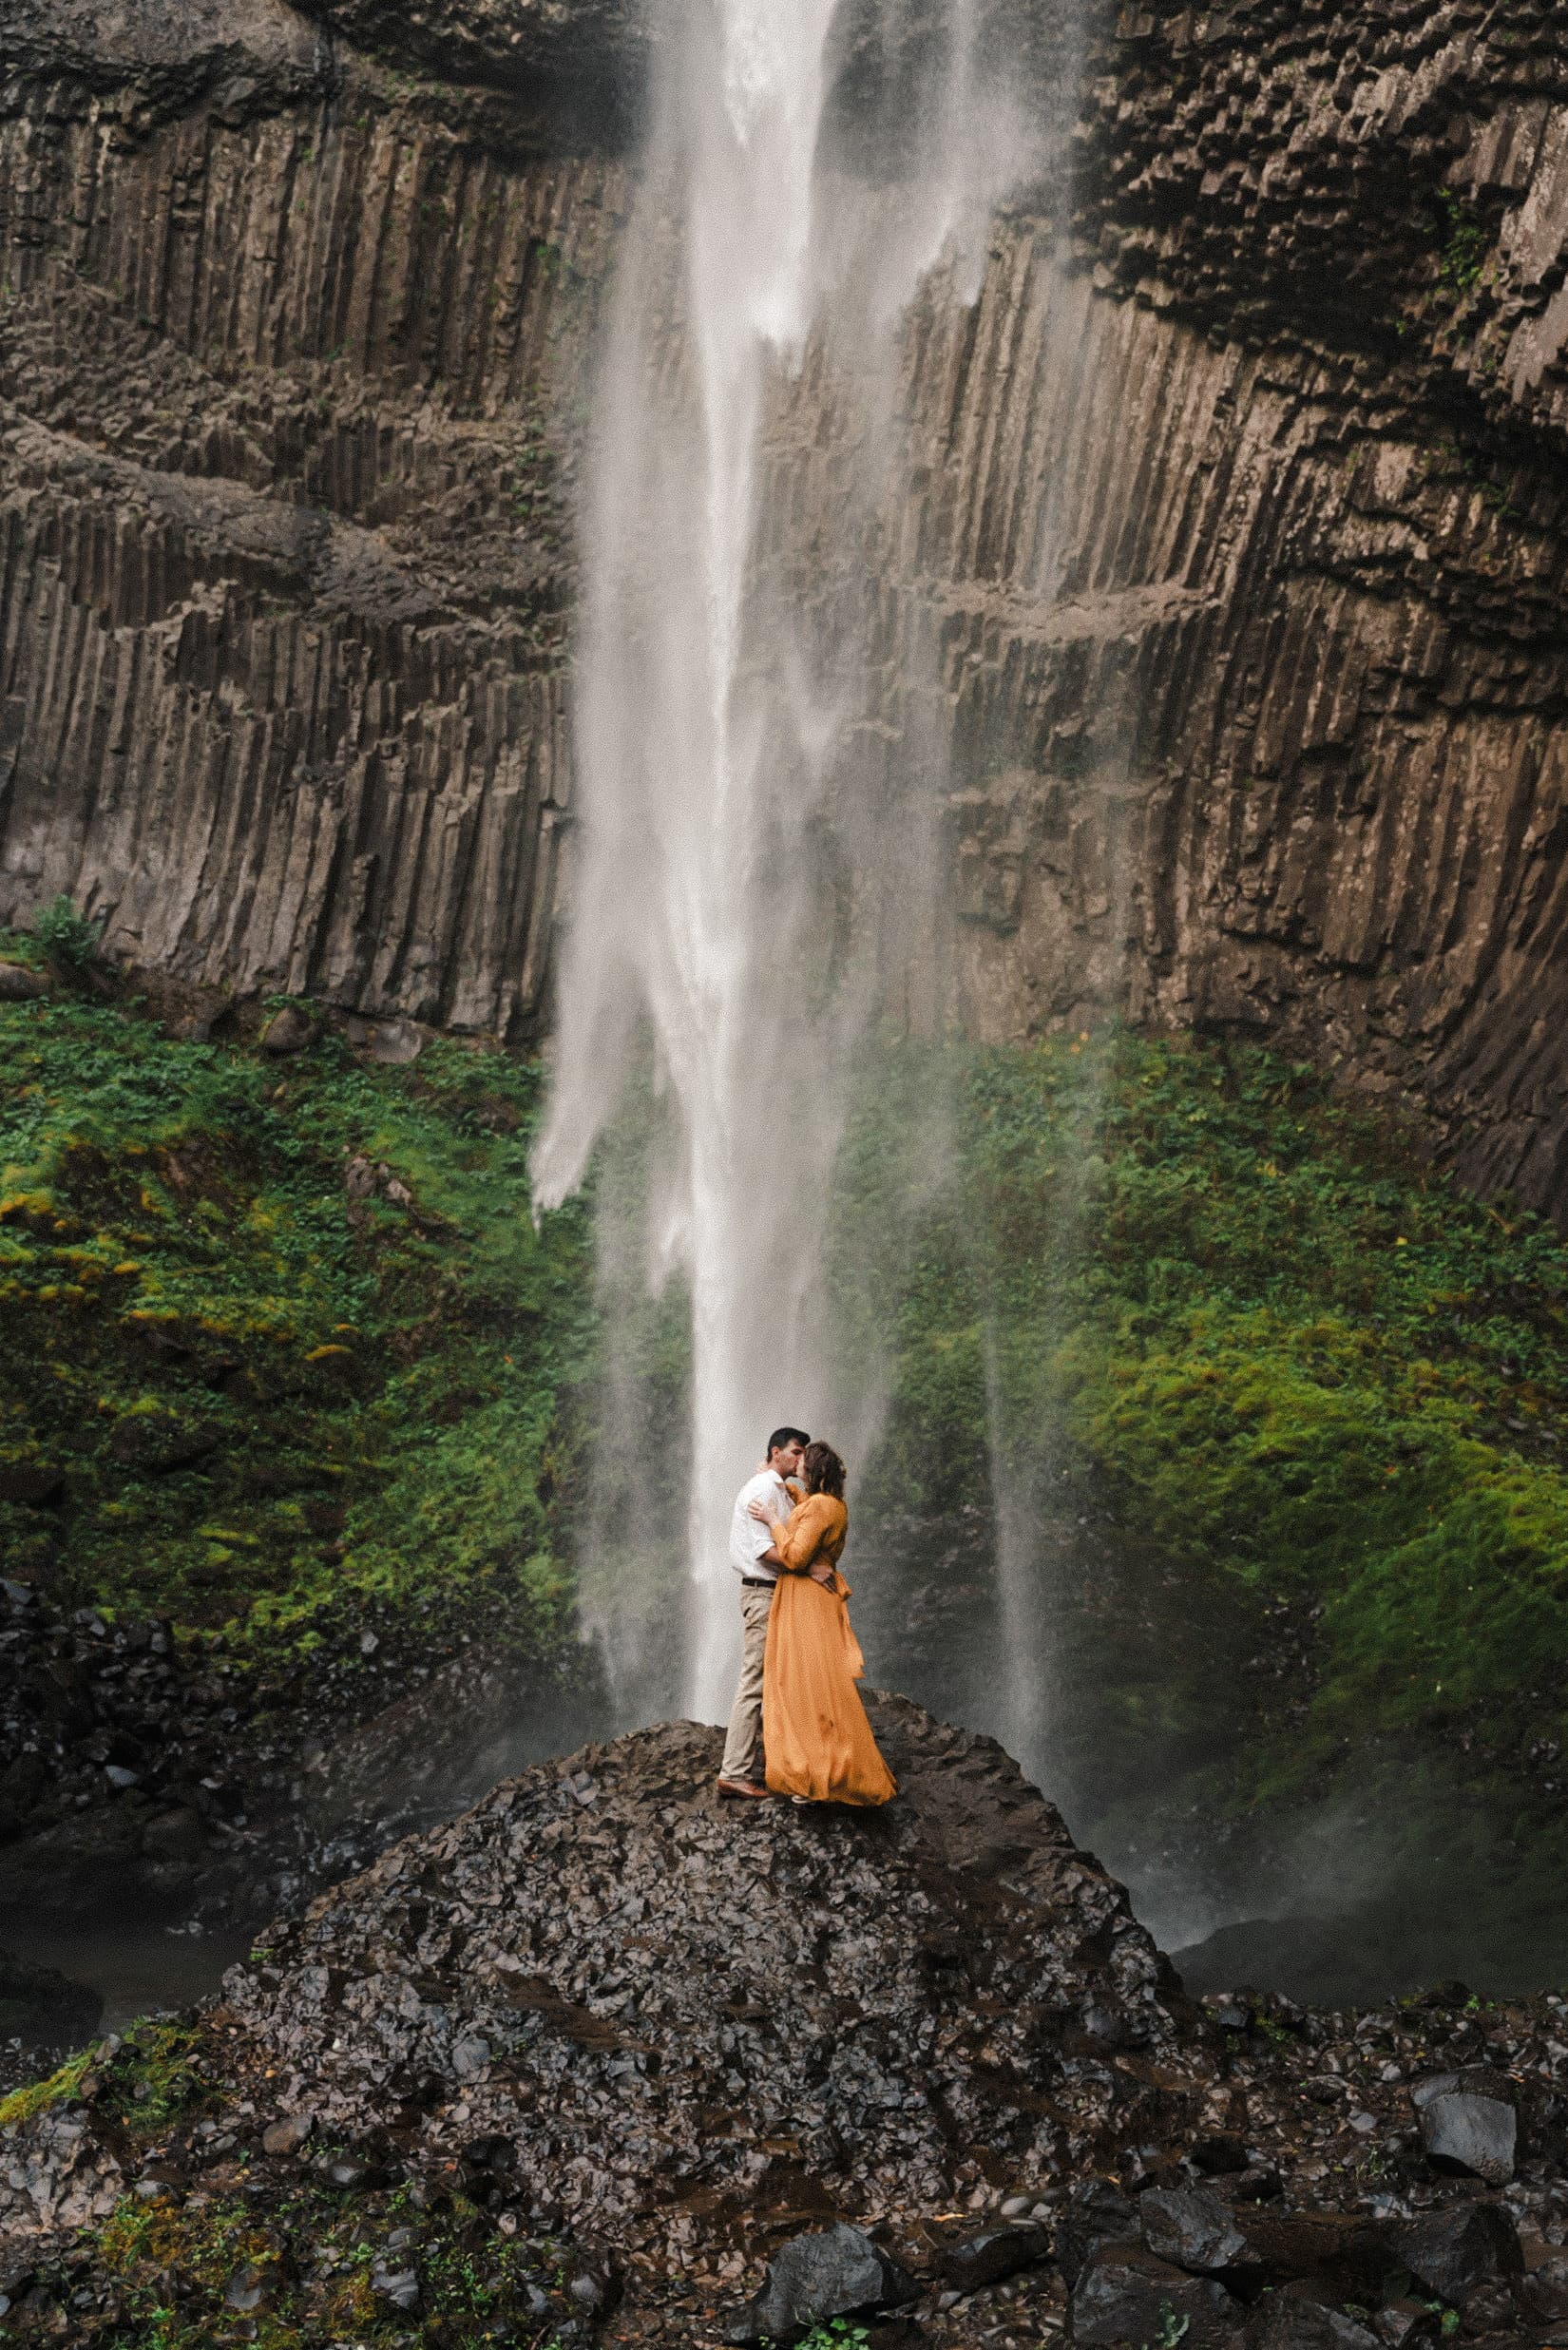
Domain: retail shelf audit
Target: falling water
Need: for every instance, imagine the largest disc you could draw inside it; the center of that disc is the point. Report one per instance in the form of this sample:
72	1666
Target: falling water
711	746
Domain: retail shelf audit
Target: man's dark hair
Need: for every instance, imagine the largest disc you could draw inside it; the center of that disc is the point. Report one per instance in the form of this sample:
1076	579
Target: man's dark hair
786	1436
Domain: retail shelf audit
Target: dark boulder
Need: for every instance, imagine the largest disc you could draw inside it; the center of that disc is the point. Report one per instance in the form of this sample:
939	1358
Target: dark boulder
1124	2295
290	1030
969	2262
834	2274
18	984
1339	2256
1194	2230
1456	2252
1222	2155
31	1482
1468	2122
485	1944
1097	2213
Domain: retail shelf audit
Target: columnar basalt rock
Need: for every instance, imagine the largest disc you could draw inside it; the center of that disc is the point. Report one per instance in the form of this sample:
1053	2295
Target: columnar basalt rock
284	526
1223	564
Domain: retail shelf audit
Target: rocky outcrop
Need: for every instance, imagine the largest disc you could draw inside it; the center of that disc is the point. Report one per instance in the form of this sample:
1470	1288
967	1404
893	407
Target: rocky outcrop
1224	561
607	2046
714	2022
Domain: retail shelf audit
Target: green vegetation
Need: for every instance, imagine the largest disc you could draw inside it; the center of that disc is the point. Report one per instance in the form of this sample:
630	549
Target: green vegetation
297	2260
153	2077
67	935
307	2265
277	1336
1464	247
33	2097
1303	1361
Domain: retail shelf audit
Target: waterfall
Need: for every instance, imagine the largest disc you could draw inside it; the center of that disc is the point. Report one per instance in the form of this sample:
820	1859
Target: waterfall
717	711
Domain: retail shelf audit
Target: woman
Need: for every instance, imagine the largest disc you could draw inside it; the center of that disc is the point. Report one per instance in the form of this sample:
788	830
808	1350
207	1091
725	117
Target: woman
814	1732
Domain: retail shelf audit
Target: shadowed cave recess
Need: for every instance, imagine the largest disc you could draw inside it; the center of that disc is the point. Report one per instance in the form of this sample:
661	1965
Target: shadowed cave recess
1215	586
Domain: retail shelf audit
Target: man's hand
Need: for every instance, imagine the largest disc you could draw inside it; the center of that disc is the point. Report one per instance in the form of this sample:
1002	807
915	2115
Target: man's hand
822	1571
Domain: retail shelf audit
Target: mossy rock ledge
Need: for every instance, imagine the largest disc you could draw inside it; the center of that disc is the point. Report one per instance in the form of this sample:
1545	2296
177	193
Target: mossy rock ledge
604	2045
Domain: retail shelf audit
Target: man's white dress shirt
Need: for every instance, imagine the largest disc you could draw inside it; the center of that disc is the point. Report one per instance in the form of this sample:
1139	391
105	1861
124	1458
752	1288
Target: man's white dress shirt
750	1536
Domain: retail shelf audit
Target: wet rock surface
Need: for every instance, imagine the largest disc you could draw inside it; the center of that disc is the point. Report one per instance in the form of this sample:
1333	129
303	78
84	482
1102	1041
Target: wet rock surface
836	2272
641	2068
1468	2122
802	2012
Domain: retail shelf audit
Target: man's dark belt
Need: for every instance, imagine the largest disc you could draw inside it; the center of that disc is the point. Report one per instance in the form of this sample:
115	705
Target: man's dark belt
758	1582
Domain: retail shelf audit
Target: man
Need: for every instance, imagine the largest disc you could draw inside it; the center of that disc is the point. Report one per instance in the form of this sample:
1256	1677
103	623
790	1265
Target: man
755	1560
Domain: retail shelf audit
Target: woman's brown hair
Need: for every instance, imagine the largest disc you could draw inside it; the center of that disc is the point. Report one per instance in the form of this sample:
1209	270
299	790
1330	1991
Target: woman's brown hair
822	1471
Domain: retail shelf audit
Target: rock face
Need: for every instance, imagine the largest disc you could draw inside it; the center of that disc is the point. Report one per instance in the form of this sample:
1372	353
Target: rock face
282	539
1227	546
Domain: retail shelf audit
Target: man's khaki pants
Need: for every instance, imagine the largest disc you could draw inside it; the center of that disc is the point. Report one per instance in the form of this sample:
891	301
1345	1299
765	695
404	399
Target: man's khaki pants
743	1747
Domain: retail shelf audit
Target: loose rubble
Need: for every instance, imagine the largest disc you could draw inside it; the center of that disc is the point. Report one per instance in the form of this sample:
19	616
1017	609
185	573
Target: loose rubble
604	2060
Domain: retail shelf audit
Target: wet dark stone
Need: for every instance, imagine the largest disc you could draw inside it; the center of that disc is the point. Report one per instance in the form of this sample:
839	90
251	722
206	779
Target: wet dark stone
986	2258
1097	2213
287	2135
834	2274
1223	2155
1339	2255
1468	2123
33	1481
1456	2252
479	1964
1194	2230
43	2008
18	984
1124	2295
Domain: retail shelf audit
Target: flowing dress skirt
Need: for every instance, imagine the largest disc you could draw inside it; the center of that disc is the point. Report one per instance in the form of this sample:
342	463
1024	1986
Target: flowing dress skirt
815	1736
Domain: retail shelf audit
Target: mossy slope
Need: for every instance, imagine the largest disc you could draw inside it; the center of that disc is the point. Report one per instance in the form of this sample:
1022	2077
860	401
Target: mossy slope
276	1336
1301	1361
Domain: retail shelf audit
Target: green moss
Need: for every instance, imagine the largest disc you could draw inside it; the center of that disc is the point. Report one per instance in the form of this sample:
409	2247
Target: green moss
156	2076
1465	244
1303	1359
309	2253
33	2097
236	1393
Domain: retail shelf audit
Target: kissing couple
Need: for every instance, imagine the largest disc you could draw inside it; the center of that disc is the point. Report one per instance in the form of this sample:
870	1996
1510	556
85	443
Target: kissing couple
797	1703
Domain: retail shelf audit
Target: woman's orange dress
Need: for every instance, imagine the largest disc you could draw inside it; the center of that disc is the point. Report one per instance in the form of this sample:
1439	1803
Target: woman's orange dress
814	1732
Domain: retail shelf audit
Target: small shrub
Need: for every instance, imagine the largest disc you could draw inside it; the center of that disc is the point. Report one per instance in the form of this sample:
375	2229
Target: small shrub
67	935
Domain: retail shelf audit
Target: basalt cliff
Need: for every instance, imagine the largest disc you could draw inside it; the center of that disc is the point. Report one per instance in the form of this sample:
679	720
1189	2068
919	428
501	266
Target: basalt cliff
1228	526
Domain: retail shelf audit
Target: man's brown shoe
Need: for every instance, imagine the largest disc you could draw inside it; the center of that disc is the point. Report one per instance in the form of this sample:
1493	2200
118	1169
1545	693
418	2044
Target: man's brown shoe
743	1787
